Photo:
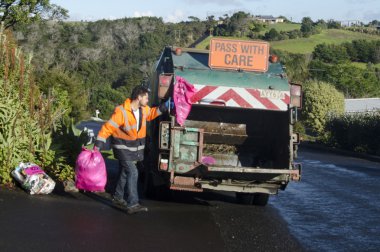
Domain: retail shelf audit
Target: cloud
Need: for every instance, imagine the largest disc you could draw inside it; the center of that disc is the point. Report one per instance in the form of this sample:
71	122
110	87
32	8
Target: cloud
143	13
360	15
361	2
111	17
175	17
371	15
219	2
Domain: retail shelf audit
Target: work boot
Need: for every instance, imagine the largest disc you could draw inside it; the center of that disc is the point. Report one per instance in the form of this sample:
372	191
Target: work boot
119	202
137	208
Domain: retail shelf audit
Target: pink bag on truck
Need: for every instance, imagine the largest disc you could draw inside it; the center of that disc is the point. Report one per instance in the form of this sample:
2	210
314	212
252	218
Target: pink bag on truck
183	91
90	171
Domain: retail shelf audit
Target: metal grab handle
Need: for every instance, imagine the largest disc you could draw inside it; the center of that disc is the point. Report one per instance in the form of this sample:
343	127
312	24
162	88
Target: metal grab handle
211	101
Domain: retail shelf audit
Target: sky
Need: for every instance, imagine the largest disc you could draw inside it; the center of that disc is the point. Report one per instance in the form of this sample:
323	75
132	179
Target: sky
180	10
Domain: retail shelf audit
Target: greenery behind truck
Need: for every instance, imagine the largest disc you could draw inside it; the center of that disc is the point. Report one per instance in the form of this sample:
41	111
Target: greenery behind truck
238	136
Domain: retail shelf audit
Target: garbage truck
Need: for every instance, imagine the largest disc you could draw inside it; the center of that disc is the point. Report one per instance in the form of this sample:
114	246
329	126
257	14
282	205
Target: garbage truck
238	136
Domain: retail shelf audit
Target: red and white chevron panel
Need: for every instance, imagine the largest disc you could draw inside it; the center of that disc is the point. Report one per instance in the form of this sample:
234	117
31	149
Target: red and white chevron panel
242	97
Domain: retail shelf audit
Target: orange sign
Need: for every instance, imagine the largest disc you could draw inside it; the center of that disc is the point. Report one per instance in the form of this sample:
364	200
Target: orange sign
237	54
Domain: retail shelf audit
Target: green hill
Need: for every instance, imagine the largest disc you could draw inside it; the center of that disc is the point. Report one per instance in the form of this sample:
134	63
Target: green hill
332	36
306	45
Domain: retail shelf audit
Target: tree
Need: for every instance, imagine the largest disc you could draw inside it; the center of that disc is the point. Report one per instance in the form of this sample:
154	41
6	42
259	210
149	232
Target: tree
239	23
321	99
64	82
272	35
193	19
376	55
364	49
256	26
332	24
321	24
296	65
374	23
27	11
354	82
307	26
286	20
211	23
351	51
55	12
331	53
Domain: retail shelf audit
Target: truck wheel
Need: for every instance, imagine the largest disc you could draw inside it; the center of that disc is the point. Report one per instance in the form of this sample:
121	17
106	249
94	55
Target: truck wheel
260	199
244	198
155	192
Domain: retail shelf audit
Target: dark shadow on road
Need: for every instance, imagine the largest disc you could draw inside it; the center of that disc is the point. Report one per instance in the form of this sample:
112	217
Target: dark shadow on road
103	198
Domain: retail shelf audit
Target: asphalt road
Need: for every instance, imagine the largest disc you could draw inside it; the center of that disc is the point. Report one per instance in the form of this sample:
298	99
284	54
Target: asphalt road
334	208
85	223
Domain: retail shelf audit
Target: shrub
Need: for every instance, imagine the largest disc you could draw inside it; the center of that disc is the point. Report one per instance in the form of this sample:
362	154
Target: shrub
27	116
321	100
356	132
331	53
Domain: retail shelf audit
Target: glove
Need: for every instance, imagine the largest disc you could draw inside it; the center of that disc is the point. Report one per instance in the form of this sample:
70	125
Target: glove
98	145
167	103
164	106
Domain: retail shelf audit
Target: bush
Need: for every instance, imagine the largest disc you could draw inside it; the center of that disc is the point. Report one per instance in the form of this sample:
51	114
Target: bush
333	54
71	85
272	35
106	99
356	132
321	100
27	116
296	65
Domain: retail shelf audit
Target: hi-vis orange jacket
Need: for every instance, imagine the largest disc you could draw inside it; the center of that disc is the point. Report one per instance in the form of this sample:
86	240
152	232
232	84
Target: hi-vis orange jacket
128	140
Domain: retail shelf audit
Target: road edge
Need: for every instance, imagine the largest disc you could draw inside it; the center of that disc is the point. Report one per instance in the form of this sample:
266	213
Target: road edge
324	148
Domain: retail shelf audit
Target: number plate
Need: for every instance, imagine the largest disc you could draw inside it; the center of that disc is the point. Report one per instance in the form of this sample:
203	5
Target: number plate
272	94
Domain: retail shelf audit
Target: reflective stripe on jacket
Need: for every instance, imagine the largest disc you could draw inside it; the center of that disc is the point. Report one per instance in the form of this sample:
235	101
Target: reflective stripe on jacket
128	142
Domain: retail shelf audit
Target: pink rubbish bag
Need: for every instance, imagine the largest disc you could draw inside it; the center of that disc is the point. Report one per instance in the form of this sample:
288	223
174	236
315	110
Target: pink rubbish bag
183	91
90	171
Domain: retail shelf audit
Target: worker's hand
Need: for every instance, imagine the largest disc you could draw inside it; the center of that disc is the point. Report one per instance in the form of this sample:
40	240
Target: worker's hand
167	104
164	106
98	145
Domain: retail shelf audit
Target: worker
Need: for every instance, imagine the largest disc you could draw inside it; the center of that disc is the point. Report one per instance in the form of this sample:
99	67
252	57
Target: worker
127	126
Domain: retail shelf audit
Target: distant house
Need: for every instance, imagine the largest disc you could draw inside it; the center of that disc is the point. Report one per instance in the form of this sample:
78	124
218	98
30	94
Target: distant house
361	105
350	23
269	19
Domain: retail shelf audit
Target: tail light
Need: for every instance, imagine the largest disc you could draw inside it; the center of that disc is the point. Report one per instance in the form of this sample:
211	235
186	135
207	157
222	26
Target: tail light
164	164
295	95
273	58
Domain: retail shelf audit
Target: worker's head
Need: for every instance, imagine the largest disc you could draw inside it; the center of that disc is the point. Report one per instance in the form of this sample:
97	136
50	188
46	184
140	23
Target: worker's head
141	94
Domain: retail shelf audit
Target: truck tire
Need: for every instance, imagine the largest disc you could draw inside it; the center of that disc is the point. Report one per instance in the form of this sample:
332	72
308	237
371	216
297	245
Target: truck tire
160	192
244	198
260	199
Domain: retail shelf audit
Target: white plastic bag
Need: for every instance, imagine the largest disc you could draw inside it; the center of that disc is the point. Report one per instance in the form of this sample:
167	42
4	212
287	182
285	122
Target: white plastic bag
33	179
